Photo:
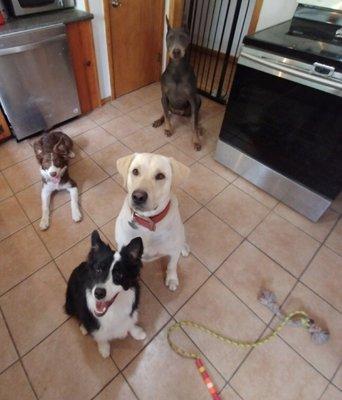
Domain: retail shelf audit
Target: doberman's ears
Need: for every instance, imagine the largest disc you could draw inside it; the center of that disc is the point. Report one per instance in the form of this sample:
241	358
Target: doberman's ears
179	172
122	166
167	23
185	25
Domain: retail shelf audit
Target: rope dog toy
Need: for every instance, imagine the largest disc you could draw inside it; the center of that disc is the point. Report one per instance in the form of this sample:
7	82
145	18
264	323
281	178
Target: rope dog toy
295	318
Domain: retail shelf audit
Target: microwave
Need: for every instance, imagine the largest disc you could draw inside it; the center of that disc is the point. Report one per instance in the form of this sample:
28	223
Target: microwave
24	7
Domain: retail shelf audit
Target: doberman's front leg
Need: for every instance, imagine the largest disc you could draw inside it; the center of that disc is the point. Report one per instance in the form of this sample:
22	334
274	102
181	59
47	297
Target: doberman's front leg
194	119
168	129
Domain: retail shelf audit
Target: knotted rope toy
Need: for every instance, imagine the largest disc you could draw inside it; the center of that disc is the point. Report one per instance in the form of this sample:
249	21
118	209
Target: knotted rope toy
267	298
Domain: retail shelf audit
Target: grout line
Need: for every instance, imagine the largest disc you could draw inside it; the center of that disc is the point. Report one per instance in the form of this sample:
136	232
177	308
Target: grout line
18	354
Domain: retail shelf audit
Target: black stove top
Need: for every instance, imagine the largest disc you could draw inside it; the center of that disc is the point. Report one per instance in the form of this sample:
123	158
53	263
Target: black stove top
279	40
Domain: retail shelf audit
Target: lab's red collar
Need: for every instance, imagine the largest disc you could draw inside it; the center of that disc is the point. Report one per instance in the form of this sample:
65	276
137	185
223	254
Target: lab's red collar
150	222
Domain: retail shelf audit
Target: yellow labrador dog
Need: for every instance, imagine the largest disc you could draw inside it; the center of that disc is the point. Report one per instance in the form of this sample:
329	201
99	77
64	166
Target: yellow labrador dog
151	209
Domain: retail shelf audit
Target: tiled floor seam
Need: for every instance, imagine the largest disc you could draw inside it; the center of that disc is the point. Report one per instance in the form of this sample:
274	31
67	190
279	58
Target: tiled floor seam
12	165
18	354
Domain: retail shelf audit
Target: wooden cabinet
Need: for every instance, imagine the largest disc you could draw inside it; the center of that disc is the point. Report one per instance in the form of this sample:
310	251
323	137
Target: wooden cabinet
82	52
4	128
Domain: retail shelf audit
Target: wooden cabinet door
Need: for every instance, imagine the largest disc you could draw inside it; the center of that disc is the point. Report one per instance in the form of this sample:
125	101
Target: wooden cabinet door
82	52
4	129
137	32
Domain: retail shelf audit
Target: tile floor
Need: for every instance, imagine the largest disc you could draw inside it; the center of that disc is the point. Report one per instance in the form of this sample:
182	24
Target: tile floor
241	238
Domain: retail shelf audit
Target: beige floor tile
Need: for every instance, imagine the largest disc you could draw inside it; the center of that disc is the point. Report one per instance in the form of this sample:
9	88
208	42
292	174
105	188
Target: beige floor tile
152	317
326	357
144	141
86	174
159	373
5	190
169	150
67	365
122	126
14	384
229	394
238	209
275	371
103	202
187	205
128	102
212	125
318	230
23	174
8	353
148	113
210	239
109	231
263	197
34	308
216	307
12	218
108	156
337	204
203	184
78	126
191	274
30	200
21	254
12	152
247	271
184	143
332	393
334	240
285	243
324	276
63	233
118	389
150	92
94	140
218	168
179	126
209	109
103	114
338	378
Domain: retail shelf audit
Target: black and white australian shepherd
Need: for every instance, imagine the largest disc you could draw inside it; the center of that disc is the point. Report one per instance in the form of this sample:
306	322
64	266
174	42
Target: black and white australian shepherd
53	151
103	293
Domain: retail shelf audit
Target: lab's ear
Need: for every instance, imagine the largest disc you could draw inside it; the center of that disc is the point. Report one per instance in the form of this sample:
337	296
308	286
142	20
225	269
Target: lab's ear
122	166
180	172
38	148
167	23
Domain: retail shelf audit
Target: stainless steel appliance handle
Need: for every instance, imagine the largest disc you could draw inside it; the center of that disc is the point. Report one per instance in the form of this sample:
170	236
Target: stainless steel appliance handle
31	46
281	68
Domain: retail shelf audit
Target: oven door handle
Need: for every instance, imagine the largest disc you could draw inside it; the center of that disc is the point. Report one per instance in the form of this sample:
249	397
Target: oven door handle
30	46
281	68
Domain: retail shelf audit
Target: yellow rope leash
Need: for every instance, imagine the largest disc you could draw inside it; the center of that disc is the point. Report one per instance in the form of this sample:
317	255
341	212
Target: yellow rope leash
303	317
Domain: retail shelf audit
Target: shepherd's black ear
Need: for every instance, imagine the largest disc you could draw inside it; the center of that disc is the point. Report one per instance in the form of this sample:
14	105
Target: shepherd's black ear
134	249
95	241
167	23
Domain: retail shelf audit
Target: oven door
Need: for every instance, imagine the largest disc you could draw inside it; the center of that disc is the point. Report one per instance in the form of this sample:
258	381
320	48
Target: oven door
283	131
24	7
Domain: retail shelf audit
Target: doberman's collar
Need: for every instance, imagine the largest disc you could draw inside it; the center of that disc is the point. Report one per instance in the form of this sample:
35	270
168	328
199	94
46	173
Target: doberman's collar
150	222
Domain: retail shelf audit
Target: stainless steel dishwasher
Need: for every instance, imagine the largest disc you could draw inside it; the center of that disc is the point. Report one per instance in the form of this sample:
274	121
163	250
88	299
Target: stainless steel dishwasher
37	84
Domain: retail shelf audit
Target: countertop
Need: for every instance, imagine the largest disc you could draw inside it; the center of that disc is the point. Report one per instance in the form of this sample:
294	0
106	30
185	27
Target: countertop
42	20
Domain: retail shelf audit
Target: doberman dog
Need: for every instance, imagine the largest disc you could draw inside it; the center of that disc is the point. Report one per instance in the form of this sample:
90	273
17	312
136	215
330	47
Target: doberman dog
178	84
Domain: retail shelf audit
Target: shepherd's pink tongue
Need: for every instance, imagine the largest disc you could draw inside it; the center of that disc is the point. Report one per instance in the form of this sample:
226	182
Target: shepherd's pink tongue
101	306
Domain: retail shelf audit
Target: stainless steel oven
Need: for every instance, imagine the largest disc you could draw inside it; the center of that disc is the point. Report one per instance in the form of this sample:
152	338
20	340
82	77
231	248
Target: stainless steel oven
283	129
24	7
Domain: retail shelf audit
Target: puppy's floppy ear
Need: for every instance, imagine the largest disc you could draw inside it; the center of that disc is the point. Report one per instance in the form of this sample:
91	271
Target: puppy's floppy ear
122	166
60	148
134	249
38	148
180	172
167	22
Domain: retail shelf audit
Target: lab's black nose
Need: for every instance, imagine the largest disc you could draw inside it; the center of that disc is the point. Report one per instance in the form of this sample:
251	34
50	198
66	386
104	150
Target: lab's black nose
176	52
139	196
53	173
100	293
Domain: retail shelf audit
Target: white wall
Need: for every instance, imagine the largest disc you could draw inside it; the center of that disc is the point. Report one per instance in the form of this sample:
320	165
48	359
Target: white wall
100	41
275	11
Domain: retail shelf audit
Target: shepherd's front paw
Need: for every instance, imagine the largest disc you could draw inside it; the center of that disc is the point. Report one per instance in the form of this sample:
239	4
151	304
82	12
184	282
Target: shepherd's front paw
76	215
104	349
172	283
137	333
44	224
